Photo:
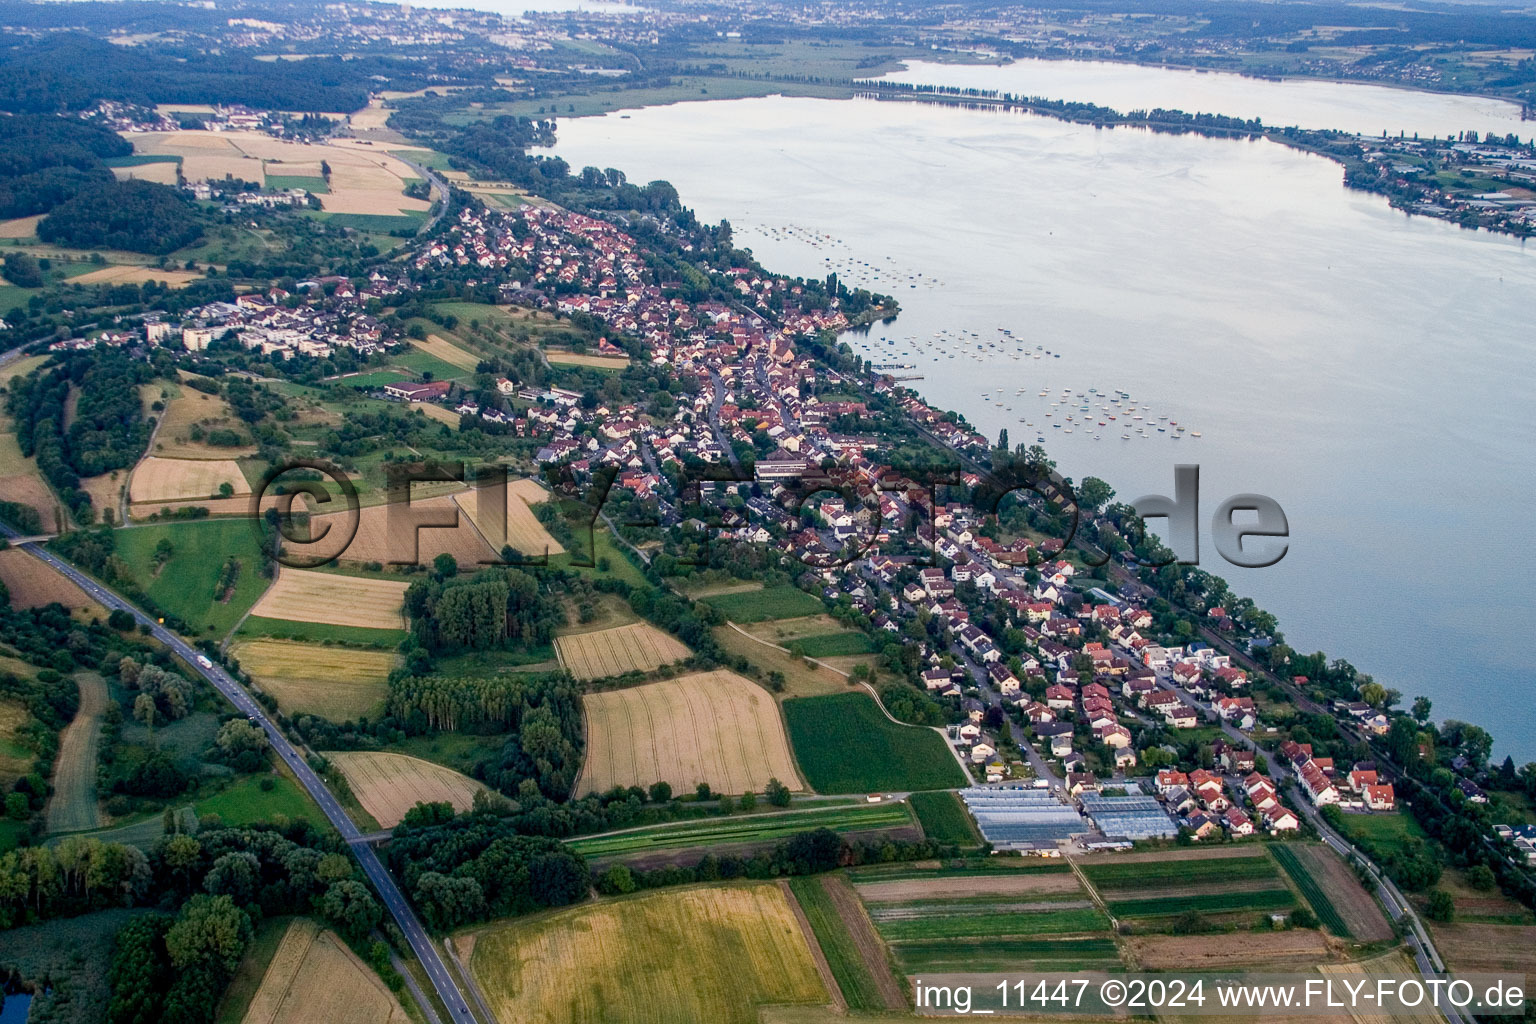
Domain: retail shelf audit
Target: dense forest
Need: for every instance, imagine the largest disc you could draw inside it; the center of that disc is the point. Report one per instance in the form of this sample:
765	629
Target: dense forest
74	71
540	717
139	216
97	395
476	867
450	613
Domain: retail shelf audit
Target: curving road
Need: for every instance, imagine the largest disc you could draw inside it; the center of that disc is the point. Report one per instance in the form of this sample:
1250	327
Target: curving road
389	893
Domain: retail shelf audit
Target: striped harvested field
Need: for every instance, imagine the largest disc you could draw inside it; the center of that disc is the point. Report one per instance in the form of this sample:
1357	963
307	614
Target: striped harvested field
637	647
713	727
380	540
709	955
32	584
313	976
388	785
159	479
337	683
522	528
306	596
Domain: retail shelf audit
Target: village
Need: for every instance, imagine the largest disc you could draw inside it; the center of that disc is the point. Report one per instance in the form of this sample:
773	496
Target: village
1077	718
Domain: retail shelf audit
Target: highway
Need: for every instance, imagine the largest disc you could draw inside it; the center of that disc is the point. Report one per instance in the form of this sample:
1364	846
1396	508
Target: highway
384	884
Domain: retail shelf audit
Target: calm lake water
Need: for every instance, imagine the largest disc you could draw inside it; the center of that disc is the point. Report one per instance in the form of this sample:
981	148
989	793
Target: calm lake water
1365	369
1305	103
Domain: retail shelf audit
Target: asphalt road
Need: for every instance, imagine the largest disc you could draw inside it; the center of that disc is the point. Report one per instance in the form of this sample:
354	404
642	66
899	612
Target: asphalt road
384	884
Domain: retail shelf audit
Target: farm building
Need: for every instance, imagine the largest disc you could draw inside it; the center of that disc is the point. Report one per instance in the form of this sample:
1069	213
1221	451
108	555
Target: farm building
1135	817
1020	819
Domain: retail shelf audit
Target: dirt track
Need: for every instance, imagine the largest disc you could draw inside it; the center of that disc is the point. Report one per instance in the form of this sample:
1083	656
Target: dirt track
866	939
73	807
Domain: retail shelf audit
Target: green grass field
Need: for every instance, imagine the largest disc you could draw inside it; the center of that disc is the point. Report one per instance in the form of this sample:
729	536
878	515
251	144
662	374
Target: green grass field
308	184
837	945
289	629
784	602
745	829
845	745
244	801
1321	905
1011	953
1213	902
1041	922
833	645
1383	833
140	159
422	363
428	158
380	222
944	818
186	584
1159	874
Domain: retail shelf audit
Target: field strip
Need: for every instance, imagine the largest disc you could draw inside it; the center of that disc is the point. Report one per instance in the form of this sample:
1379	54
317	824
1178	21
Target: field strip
818	955
306	596
73	807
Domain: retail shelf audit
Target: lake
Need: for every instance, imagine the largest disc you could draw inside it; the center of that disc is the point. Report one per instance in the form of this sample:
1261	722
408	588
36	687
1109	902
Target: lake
1365	369
1305	103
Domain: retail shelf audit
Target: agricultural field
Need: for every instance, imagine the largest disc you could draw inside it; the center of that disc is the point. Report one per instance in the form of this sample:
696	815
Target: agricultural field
1267	900
1153	888
744	828
313	976
1469	946
816	636
994	916
388	785
783	602
1396	964
306	596
363	180
1294	949
73	806
713	727
1334	893
1121	875
32	584
157	479
338	683
582	359
702	586
522	528
138	275
601	653
20	482
944	818
320	632
378	540
440	347
844	744
855	957
186	584
699	955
